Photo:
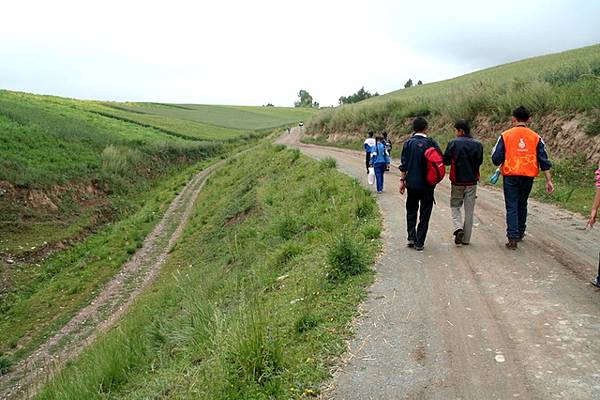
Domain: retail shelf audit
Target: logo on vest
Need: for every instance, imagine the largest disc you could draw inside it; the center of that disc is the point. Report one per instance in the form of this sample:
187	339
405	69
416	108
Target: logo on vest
522	144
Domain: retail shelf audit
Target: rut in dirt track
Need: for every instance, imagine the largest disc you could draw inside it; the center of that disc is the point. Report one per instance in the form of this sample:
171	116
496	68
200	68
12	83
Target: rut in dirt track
111	303
477	321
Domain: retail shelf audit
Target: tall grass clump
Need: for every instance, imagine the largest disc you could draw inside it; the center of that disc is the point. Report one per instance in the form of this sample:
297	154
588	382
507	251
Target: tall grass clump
346	257
329	162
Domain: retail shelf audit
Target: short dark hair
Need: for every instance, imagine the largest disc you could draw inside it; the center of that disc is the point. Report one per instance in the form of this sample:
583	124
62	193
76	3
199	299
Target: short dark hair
420	124
384	134
370	133
463	125
521	114
379	138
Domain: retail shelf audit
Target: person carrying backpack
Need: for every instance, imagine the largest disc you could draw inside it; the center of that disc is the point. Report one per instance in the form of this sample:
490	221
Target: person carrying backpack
421	167
379	160
464	155
367	145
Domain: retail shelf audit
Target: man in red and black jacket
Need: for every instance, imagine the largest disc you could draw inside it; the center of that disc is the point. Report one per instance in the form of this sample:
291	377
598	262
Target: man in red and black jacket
413	167
464	155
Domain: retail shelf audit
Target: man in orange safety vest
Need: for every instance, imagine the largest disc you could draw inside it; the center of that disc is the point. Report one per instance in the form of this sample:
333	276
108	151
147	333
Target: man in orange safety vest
521	153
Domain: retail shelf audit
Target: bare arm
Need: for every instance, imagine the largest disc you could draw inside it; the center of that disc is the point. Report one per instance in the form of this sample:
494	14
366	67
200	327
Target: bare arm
549	184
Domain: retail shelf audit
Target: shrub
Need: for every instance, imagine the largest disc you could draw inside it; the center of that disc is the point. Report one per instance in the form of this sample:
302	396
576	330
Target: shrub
365	206
295	155
593	126
346	257
372	231
329	162
306	322
253	353
285	253
5	364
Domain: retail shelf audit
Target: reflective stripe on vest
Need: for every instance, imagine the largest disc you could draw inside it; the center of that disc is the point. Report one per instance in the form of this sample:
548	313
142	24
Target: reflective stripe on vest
520	144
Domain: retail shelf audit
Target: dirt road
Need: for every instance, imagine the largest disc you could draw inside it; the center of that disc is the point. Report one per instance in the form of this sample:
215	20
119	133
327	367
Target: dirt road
477	321
111	303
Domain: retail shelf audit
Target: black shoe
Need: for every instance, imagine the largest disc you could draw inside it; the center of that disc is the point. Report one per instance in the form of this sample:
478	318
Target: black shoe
410	243
419	247
459	234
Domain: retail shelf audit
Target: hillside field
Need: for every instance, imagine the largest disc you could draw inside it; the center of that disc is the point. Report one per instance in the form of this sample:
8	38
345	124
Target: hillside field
81	185
254	301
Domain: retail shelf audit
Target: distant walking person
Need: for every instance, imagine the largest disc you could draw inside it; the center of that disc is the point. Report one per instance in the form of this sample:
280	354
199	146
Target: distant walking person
388	147
289	130
464	155
412	179
368	144
521	153
379	160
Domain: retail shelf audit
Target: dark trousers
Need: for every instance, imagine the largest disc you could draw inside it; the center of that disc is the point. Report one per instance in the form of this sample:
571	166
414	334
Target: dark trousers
368	160
516	193
379	171
419	201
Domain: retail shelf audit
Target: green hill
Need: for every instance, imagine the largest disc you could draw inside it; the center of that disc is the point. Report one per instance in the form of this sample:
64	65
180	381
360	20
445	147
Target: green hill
561	90
82	179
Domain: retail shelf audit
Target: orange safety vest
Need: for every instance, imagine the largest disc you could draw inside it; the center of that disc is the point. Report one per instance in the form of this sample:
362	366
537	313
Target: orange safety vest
520	159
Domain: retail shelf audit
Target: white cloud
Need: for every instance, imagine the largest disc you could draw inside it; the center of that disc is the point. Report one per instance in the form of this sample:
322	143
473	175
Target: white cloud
240	52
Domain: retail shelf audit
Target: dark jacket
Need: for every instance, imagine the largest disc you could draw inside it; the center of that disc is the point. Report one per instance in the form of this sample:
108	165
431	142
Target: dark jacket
413	162
464	155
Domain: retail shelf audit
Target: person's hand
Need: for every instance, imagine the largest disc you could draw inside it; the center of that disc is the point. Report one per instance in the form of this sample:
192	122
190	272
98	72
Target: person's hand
402	186
549	186
592	219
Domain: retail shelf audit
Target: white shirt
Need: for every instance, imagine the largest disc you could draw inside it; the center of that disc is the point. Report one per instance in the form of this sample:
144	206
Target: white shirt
370	142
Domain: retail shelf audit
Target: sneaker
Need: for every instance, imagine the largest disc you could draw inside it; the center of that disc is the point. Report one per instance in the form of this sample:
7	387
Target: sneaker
512	244
459	234
465	243
419	247
410	243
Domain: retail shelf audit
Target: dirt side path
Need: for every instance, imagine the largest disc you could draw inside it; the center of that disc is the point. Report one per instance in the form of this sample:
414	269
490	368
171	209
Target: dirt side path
111	303
477	321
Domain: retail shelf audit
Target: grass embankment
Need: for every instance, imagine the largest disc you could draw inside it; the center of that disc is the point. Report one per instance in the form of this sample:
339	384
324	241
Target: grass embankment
562	85
255	299
79	191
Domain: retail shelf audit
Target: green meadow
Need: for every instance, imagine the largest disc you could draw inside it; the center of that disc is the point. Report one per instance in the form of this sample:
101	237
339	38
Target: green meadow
255	300
81	185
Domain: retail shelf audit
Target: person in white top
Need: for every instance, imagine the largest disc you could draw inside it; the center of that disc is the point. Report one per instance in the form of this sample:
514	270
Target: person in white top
368	144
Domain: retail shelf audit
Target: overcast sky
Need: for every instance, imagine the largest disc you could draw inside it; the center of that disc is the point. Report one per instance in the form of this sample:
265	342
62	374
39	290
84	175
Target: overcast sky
261	51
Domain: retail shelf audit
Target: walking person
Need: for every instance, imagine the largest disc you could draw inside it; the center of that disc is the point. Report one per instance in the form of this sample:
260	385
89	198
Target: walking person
521	153
412	180
594	214
464	155
368	145
388	147
380	161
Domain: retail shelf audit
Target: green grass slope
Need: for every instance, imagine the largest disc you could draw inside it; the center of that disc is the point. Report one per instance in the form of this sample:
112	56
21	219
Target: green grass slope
567	83
80	188
561	90
256	298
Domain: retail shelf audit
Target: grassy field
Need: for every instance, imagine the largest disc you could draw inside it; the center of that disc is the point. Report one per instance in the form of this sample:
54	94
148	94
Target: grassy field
256	298
81	184
232	117
562	86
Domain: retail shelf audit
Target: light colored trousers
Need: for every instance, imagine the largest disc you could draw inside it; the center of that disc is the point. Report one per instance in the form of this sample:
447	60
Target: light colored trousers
459	196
